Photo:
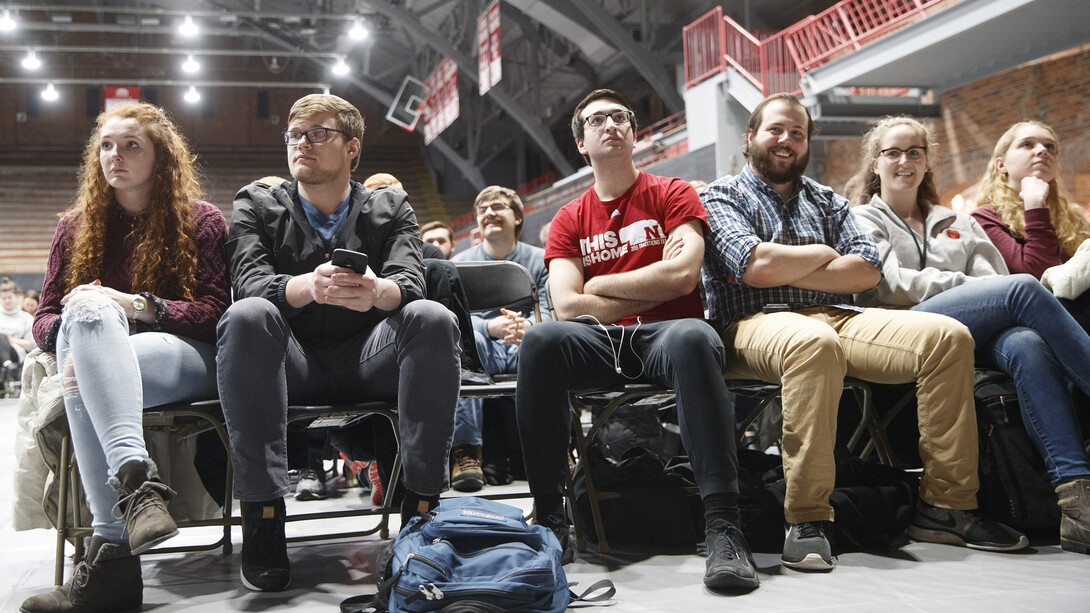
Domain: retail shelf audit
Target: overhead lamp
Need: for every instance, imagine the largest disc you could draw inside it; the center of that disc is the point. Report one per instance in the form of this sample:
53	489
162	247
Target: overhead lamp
358	32
49	94
340	68
188	28
7	24
31	61
191	64
192	96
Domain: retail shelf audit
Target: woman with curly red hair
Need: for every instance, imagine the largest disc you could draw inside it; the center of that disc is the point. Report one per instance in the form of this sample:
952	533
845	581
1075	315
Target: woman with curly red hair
134	287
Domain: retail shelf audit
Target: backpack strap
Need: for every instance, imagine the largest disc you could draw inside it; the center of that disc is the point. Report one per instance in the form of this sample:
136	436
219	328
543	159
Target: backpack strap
588	598
365	603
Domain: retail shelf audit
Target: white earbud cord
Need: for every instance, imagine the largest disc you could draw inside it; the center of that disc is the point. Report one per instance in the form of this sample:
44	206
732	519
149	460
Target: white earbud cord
616	351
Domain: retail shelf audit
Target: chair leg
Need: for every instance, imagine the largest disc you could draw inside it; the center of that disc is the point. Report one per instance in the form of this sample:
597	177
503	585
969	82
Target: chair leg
62	511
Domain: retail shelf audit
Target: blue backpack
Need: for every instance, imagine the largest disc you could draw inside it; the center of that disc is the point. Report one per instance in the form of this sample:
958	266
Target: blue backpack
472	554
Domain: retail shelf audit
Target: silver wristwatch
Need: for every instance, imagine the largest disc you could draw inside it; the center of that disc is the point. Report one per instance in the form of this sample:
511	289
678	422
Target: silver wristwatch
139	303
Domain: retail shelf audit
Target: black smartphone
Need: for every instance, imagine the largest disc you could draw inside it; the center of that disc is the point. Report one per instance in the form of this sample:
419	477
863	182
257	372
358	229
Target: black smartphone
346	258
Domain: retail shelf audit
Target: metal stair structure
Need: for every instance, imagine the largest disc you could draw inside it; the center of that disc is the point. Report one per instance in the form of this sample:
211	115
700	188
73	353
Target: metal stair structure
896	51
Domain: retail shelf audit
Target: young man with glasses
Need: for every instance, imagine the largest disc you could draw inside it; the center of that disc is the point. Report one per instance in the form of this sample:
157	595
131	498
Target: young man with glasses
624	261
498	334
305	331
784	258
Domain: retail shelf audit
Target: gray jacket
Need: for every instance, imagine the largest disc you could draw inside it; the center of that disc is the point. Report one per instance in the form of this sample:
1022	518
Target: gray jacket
956	250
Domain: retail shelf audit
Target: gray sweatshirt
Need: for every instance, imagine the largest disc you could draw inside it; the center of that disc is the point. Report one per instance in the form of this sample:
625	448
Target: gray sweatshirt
953	250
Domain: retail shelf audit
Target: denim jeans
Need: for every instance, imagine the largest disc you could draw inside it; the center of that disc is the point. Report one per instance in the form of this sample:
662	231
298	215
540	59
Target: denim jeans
109	377
809	352
1021	329
497	358
683	354
411	356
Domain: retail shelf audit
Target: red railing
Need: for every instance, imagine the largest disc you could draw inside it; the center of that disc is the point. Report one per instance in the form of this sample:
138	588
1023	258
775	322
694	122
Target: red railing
533	185
663	125
775	63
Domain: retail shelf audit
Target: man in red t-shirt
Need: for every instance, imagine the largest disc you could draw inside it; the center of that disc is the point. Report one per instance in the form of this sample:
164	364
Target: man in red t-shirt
624	260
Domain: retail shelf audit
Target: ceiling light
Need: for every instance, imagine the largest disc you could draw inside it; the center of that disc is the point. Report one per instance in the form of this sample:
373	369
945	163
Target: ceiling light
358	32
7	24
340	68
188	28
49	94
192	96
31	61
190	64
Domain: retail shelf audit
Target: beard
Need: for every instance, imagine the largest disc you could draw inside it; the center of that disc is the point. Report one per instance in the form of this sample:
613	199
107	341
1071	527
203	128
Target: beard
761	160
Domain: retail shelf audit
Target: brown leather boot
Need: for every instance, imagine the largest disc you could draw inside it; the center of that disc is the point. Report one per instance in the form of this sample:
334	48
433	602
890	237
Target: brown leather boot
141	498
108	579
1075	524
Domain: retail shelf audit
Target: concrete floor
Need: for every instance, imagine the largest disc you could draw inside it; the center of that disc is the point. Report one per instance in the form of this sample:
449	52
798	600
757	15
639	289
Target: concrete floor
919	577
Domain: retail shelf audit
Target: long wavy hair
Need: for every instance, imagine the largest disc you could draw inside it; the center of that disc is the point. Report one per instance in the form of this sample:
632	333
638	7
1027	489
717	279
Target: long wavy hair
995	191
162	241
867	183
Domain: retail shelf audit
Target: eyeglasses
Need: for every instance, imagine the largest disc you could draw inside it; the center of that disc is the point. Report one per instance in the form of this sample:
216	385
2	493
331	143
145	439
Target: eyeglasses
495	207
914	154
313	135
598	120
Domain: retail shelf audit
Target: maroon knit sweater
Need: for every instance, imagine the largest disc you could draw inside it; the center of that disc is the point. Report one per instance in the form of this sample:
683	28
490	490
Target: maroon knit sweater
1031	253
195	319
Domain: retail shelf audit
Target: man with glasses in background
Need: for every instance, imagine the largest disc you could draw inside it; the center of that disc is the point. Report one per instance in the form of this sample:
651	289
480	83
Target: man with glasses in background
624	260
497	333
305	331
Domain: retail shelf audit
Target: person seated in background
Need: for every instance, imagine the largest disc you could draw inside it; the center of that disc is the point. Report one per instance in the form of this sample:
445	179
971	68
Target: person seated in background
305	331
16	331
385	179
1025	211
624	259
134	286
440	235
30	300
937	260
498	333
784	257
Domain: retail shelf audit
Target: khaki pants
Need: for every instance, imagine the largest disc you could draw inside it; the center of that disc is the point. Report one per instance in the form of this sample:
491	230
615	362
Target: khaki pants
809	352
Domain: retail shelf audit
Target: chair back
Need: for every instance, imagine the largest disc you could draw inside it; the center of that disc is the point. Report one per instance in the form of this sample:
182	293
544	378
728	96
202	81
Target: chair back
497	284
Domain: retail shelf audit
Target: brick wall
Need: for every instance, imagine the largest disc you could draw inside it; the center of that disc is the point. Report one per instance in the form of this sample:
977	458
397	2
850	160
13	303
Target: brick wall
1054	90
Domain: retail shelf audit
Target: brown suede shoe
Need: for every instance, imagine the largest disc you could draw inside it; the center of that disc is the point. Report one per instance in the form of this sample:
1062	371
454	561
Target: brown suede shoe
109	582
1074	500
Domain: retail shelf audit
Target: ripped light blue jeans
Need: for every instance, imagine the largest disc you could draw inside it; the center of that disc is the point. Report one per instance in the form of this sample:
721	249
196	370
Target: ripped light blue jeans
109	377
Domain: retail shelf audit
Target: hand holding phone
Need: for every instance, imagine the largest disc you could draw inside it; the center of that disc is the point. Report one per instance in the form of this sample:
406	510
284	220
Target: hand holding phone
346	258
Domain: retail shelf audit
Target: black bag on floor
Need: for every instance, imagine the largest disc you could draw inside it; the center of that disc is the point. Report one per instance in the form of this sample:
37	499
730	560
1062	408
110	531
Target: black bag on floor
653	505
1015	488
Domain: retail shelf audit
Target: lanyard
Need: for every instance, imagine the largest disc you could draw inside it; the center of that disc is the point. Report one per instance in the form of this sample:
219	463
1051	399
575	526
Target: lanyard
920	249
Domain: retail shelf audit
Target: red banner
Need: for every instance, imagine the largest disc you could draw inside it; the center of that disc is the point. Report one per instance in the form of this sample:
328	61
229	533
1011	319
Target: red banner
119	95
442	105
489	67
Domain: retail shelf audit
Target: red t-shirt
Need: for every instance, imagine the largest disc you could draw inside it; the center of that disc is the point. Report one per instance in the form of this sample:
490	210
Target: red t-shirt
628	233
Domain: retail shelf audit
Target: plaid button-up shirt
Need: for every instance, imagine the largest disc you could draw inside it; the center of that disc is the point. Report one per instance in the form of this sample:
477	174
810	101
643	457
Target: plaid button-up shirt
743	211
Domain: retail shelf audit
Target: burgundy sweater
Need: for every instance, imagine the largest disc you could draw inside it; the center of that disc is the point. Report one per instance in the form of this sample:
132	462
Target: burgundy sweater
195	319
1038	249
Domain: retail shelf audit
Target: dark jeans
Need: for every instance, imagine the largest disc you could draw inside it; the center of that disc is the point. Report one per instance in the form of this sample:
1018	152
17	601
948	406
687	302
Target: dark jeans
684	354
411	356
1021	329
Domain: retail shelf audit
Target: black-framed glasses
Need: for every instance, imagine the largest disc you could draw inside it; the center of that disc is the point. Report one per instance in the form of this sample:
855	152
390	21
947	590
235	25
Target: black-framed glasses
598	120
495	207
914	154
313	135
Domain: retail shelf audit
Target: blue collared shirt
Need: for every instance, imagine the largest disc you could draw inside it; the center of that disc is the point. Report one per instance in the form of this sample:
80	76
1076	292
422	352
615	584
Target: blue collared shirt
325	225
743	211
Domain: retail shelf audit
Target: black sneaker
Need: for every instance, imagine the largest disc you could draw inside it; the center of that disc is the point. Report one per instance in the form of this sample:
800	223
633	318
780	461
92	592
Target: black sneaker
807	547
311	485
730	564
265	564
953	527
560	527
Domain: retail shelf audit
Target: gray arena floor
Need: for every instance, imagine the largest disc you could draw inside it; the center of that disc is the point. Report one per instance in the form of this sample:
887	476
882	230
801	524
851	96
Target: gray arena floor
920	577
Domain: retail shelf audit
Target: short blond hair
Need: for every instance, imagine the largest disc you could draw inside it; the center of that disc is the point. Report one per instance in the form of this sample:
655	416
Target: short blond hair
380	179
506	194
348	117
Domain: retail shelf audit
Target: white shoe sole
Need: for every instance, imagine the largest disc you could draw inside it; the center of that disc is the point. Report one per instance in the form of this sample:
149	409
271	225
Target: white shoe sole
812	561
